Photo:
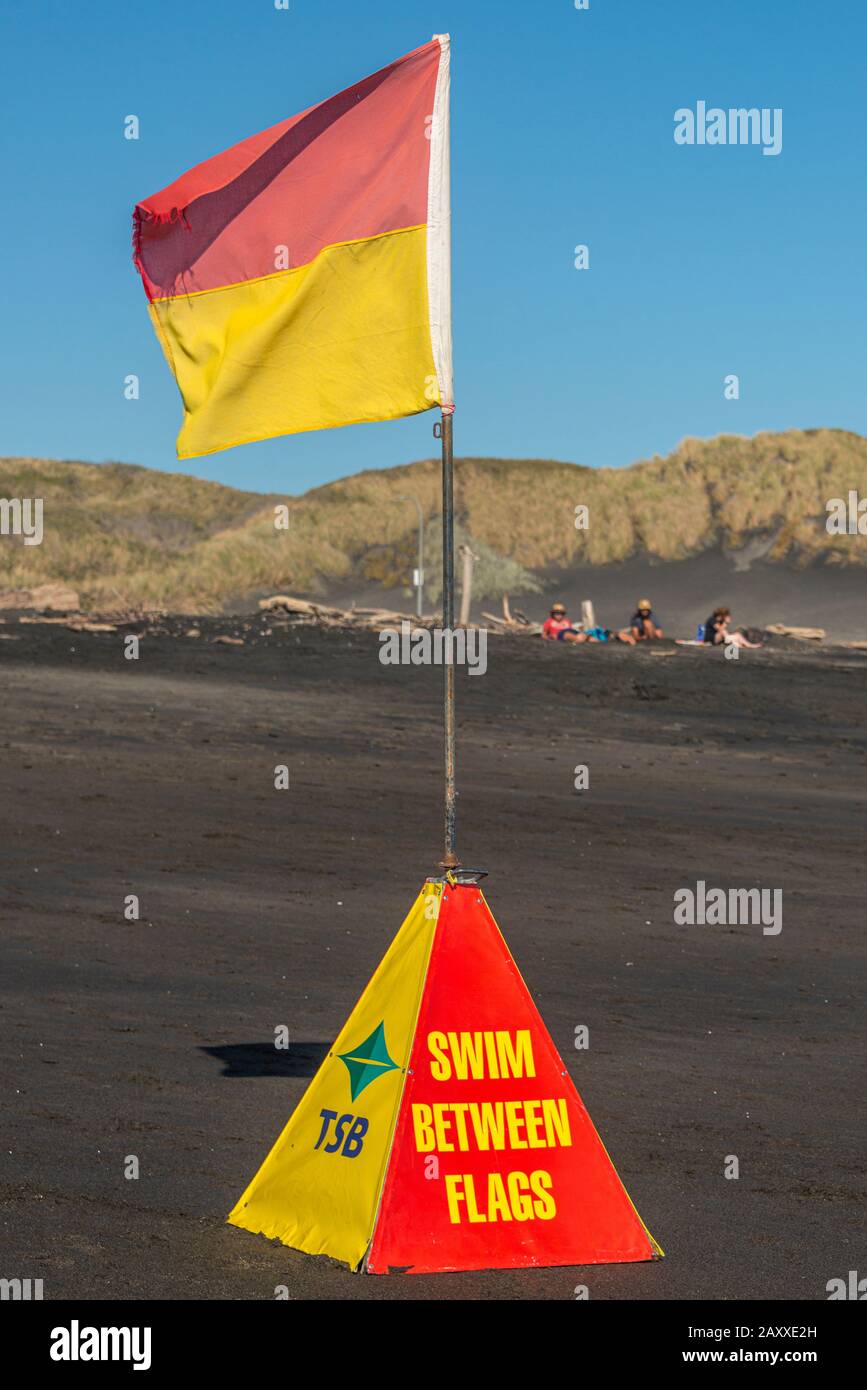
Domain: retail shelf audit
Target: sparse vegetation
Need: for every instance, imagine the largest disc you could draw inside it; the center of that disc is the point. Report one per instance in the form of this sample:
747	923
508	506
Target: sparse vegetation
493	574
119	533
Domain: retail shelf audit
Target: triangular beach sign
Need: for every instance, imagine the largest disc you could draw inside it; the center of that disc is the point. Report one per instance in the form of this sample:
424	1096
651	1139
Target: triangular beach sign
442	1131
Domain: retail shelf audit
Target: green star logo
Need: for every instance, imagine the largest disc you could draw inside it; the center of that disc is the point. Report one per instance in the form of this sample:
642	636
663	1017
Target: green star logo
367	1061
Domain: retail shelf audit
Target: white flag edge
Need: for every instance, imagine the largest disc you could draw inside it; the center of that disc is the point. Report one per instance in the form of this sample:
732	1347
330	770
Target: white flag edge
439	228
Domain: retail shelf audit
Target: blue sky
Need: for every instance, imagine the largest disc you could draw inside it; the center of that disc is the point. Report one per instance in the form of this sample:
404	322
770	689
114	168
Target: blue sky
704	261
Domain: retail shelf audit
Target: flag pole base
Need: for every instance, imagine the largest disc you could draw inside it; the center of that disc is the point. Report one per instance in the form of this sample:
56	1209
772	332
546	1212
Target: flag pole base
459	876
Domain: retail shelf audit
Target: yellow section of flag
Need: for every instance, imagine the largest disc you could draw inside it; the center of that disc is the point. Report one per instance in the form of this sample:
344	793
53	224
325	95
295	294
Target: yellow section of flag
343	340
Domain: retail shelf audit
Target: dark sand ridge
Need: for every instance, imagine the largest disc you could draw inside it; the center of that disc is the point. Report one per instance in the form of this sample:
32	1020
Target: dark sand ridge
683	594
260	908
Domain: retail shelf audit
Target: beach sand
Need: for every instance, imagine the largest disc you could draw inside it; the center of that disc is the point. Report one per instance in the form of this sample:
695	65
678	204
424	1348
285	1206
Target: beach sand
260	908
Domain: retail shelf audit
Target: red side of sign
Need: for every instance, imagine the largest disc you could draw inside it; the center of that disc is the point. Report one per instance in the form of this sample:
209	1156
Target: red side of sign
495	1162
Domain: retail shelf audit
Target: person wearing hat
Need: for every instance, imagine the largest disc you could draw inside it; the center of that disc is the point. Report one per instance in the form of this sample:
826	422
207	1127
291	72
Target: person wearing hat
558	628
642	624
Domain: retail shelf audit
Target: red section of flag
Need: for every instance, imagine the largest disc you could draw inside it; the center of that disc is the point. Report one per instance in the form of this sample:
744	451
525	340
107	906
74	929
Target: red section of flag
352	167
495	1162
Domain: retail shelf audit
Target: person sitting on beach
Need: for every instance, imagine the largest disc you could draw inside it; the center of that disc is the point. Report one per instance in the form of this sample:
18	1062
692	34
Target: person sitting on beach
558	627
716	631
642	625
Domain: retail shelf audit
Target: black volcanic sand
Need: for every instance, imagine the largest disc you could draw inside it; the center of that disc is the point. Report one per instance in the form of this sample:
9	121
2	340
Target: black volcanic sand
683	593
262	908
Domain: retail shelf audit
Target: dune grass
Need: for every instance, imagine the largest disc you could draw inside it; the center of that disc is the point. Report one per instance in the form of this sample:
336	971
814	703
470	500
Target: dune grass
129	536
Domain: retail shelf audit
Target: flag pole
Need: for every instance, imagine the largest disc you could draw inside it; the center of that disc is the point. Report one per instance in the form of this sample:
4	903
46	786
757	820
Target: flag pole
449	859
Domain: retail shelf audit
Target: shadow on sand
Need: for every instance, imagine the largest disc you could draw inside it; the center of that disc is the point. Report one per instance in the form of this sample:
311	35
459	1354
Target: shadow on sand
264	1059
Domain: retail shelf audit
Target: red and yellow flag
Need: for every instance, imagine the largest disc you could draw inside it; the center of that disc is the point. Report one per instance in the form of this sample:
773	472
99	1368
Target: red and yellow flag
302	279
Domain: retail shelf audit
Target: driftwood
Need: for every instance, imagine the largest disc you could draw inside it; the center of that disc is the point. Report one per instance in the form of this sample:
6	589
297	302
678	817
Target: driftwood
297	605
304	611
804	634
79	624
519	624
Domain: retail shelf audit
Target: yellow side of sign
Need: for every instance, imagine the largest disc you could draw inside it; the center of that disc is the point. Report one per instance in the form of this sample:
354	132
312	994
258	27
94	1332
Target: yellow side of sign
318	1190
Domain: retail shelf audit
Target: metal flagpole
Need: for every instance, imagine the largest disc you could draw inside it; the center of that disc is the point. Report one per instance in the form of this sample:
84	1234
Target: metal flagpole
450	859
